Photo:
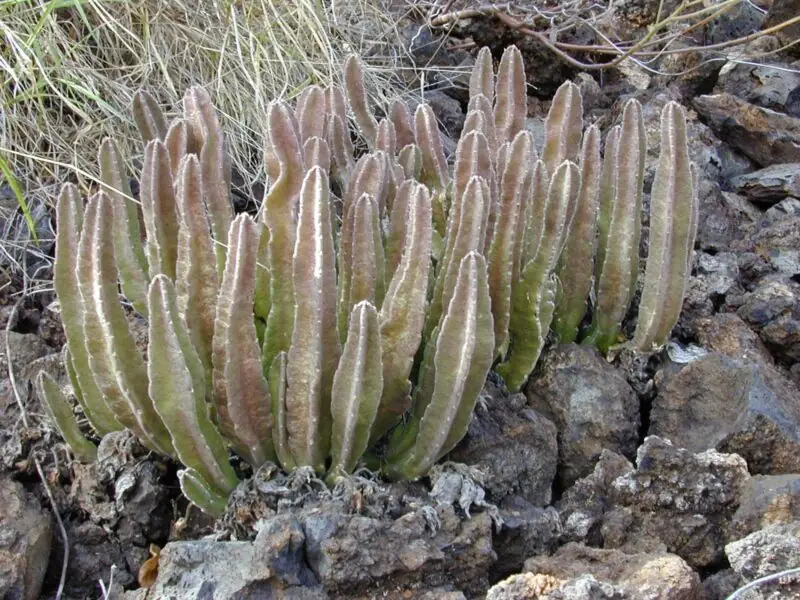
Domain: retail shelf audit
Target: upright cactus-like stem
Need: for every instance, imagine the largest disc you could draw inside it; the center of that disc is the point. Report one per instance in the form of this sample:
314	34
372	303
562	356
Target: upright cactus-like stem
280	432
434	165
483	105
672	229
402	315
119	369
148	116
216	167
241	395
481	80
357	389
386	139
533	298
127	239
159	209
365	280
316	153
177	387
473	158
315	348
338	137
357	95
196	272
73	312
563	127
467	236
607	197
576	266
279	216
177	143
463	357
617	279
511	99
504	243
410	160
360	245
311	114
535	212
60	410
401	119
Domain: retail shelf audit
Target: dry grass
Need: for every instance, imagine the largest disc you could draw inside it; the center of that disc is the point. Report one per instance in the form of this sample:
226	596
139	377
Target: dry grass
70	69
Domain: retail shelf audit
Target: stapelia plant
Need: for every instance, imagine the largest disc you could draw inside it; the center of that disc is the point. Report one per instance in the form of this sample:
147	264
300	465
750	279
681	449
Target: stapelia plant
291	338
360	312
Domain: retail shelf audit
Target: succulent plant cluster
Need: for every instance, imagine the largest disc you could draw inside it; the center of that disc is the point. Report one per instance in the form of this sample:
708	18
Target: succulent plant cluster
365	304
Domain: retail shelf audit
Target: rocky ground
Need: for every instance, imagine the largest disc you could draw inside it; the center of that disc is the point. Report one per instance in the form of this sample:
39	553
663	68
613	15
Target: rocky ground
670	477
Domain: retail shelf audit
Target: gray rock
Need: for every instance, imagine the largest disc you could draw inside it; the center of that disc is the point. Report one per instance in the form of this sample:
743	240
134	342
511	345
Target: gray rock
675	501
763	85
270	567
514	446
584	504
773	309
350	555
535	126
719	271
787	208
743	19
770	184
645	576
527	531
24	349
94	554
766	136
722	584
733	405
25	538
361	539
593	96
767	500
774	549
725	217
448	112
591	404
50	328
632	15
586	587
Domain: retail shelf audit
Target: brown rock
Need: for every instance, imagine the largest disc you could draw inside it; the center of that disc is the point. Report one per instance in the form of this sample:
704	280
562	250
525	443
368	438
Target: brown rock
780	11
733	405
523	586
766	136
770	184
591	403
513	445
767	500
727	334
676	501
658	576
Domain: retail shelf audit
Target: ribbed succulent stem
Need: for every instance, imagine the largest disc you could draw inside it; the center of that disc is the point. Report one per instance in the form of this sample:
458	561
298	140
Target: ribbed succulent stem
576	264
533	299
672	230
60	411
463	357
616	282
